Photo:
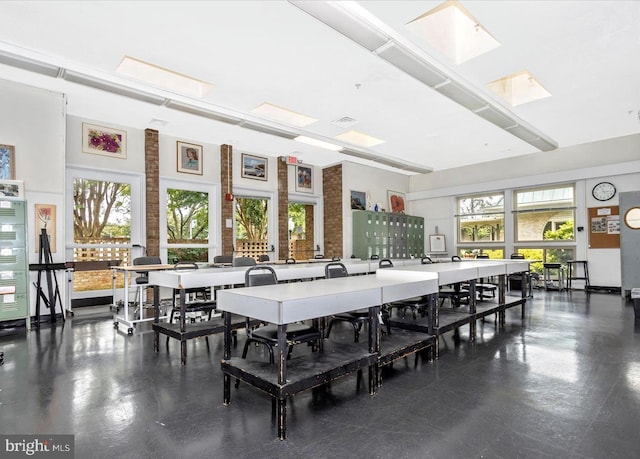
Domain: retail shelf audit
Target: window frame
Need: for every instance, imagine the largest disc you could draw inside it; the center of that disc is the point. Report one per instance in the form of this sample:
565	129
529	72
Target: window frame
214	234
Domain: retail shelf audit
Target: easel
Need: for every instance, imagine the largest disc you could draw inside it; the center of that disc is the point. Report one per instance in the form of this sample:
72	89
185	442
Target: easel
46	264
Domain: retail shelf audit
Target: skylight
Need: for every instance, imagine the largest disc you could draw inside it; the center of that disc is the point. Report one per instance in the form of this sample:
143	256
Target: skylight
519	88
359	138
163	78
282	115
453	31
318	143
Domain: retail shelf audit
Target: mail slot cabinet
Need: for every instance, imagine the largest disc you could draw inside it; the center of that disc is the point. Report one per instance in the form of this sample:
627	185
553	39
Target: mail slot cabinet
13	258
13	281
12	235
13	306
12	212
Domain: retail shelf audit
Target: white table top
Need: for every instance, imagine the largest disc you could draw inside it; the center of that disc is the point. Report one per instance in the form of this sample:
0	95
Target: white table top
287	303
212	277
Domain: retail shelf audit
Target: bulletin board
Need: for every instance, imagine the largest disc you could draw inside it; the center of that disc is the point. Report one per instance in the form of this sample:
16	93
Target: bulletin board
604	227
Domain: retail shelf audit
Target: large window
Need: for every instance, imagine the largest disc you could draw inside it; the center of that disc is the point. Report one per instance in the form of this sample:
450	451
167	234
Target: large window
187	233
252	226
481	224
545	214
103	222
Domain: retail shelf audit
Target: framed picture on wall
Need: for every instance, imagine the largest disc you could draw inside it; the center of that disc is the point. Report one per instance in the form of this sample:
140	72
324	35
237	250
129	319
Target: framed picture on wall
304	179
437	243
254	167
358	200
45	218
11	189
99	140
396	202
189	158
7	162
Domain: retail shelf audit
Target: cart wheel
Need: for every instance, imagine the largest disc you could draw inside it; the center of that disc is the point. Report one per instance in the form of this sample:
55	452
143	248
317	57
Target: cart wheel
115	325
130	331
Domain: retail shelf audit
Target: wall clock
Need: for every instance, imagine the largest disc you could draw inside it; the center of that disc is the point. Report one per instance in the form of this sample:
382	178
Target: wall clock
603	191
632	218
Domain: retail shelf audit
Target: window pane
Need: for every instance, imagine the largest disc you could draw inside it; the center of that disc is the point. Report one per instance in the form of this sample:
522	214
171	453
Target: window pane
251	227
102	224
175	254
187	217
481	218
545	214
473	252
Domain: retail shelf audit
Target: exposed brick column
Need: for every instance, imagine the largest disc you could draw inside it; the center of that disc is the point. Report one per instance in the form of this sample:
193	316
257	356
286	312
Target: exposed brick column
283	208
332	193
309	229
226	211
152	173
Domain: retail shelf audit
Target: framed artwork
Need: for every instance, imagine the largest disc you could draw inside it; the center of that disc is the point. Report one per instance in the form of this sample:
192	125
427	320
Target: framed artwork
104	141
304	179
11	189
7	162
437	243
396	202
189	158
254	167
45	218
358	200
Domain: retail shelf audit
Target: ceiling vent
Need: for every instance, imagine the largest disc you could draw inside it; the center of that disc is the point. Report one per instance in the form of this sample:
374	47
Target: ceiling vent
345	122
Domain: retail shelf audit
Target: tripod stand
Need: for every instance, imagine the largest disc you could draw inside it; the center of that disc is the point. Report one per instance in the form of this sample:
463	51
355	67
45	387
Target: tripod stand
46	264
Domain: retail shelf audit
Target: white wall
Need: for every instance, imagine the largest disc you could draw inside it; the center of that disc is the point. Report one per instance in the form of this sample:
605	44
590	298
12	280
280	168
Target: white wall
614	160
33	121
376	182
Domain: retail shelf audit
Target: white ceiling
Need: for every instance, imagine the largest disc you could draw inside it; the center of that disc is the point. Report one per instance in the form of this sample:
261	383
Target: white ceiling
584	52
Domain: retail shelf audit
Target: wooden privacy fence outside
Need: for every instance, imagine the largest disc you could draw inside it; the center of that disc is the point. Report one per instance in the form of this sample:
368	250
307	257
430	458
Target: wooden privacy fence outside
108	249
300	249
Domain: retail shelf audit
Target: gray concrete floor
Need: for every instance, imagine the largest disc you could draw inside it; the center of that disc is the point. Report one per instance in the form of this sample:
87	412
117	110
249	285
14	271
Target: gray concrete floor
565	382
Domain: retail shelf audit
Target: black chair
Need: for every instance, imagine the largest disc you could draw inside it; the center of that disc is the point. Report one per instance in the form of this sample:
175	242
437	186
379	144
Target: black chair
319	256
244	261
143	276
417	304
204	303
356	318
375	257
482	256
263	258
335	258
268	334
454	293
223	259
290	261
482	286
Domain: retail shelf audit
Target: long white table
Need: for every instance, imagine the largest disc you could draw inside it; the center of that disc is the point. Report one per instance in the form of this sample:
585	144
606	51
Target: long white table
283	304
217	277
468	271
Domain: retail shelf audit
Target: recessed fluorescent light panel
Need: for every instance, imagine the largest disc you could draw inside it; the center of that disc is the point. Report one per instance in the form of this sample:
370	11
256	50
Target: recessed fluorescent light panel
519	88
282	115
163	78
318	143
453	31
359	138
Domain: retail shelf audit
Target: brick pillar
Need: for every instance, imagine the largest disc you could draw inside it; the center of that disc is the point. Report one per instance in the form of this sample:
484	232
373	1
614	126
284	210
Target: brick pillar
152	173
283	208
309	229
226	211
332	193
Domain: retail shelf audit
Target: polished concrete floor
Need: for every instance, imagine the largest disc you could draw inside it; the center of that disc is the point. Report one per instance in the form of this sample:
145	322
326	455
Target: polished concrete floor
565	382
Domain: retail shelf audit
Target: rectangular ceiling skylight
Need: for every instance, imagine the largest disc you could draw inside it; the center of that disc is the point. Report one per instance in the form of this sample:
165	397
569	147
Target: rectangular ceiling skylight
453	31
318	143
359	138
163	78
282	115
519	88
